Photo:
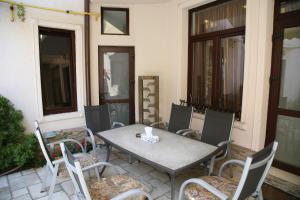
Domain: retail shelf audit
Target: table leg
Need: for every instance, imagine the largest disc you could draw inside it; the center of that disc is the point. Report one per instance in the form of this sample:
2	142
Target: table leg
108	150
173	177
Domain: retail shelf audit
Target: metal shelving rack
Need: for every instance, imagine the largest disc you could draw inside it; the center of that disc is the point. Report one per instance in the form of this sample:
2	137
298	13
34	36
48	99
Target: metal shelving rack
148	99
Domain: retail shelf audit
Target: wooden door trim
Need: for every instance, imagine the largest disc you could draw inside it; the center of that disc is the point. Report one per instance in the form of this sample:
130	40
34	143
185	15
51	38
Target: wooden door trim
281	21
131	99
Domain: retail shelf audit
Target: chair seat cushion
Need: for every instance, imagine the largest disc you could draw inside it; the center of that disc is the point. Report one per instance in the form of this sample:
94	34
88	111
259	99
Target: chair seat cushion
109	187
99	141
84	162
196	192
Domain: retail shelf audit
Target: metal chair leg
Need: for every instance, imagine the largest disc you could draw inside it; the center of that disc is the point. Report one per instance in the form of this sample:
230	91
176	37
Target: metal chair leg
130	159
53	182
230	166
259	196
45	178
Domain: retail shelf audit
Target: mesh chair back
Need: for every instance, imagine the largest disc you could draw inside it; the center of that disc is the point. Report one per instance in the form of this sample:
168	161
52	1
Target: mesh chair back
180	118
73	171
261	162
217	127
43	146
97	118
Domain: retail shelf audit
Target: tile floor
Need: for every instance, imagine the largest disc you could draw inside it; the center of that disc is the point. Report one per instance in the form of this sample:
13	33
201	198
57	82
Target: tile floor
27	184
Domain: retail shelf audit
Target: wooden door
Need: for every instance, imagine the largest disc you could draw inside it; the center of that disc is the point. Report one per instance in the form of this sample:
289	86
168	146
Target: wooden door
116	82
284	101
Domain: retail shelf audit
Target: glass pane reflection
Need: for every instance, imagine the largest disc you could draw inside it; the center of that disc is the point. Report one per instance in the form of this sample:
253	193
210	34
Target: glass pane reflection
290	81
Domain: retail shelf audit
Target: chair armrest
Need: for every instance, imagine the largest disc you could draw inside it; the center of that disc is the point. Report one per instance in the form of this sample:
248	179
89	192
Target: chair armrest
117	123
203	184
132	192
239	162
224	143
67	140
184	132
156	123
99	164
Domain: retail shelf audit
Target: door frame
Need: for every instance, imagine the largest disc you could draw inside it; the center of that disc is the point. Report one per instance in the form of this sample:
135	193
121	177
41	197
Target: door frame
119	49
281	21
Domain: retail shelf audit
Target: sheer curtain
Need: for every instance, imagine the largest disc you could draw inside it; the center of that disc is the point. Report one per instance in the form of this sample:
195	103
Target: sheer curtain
232	72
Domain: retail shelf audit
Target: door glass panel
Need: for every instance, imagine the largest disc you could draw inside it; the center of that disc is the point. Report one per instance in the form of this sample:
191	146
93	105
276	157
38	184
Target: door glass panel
288	6
202	73
288	137
290	81
116	75
119	112
232	73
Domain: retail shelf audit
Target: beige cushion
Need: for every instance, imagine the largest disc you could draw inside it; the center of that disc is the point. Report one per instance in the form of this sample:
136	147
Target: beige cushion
196	192
107	188
99	141
84	162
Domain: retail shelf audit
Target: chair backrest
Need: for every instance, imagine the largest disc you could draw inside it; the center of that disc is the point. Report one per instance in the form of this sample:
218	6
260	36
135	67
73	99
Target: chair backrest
75	172
255	171
97	118
217	127
180	118
43	146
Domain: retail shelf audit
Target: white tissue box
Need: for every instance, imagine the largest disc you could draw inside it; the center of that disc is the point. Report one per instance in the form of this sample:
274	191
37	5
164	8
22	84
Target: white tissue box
152	139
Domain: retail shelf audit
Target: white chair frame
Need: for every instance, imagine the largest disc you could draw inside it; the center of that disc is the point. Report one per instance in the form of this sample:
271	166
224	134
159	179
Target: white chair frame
51	167
247	166
79	171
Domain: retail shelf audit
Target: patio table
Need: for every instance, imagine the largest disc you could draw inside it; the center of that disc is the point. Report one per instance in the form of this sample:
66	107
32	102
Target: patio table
172	154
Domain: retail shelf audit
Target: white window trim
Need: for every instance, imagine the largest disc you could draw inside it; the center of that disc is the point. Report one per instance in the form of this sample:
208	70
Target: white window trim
79	70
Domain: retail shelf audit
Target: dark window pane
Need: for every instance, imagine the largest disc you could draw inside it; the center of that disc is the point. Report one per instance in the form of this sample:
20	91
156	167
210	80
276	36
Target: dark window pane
202	73
57	70
224	16
232	73
115	21
216	57
289	6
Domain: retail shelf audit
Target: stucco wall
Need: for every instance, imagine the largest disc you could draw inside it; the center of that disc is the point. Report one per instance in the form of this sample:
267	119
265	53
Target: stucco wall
250	131
159	34
19	64
149	28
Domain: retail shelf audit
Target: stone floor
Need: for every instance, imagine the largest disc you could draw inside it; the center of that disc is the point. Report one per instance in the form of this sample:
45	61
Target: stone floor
27	184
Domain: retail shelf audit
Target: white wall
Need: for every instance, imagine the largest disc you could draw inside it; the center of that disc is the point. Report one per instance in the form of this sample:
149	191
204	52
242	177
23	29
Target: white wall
19	64
148	34
250	131
159	34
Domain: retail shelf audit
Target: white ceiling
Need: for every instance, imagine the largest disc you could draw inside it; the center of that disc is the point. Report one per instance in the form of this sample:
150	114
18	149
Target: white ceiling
129	1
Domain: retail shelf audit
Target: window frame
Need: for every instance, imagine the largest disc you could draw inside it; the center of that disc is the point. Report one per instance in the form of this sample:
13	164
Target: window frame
216	37
115	9
72	71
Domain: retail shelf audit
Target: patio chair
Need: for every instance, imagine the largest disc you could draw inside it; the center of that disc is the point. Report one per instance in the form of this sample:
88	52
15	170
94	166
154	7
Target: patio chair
180	119
98	119
53	166
216	131
115	187
255	170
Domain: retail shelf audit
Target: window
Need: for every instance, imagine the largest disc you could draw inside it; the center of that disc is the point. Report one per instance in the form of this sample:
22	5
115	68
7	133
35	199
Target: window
216	56
114	21
57	67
